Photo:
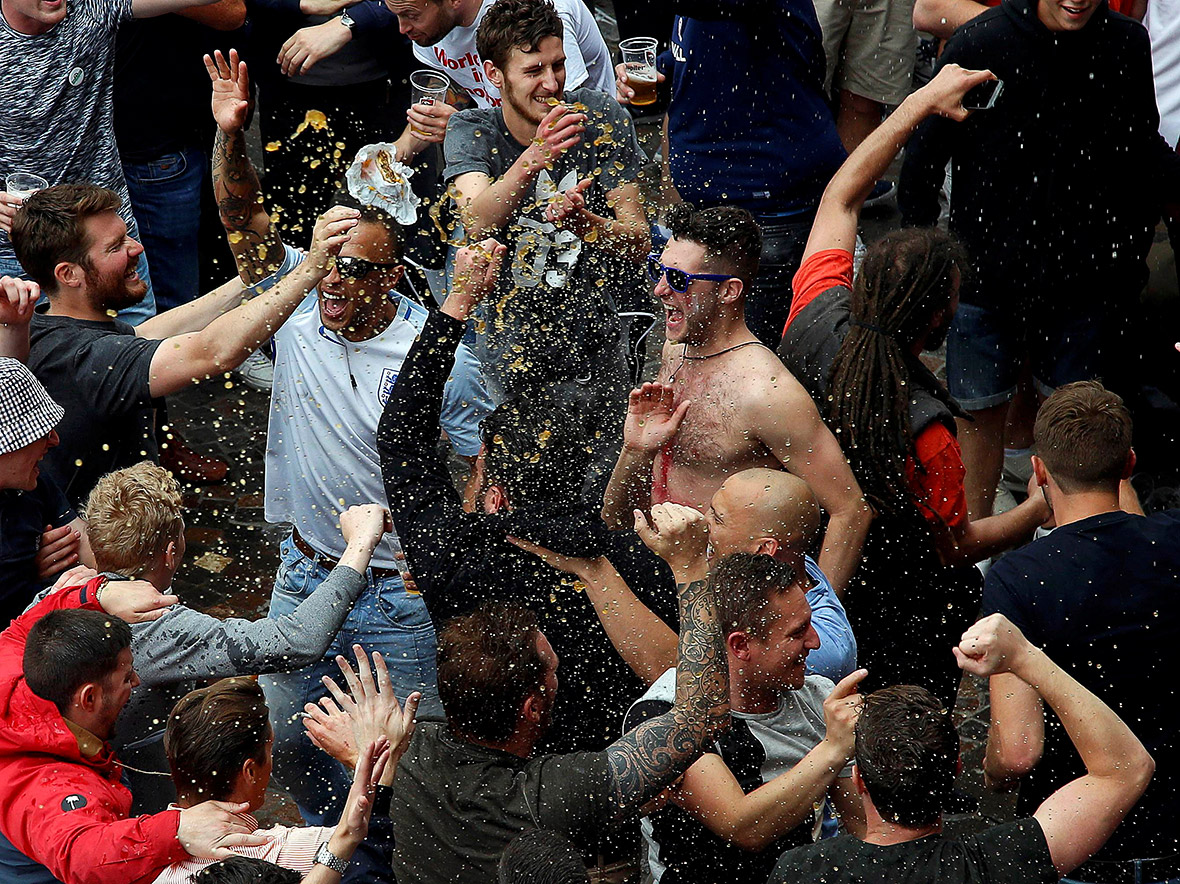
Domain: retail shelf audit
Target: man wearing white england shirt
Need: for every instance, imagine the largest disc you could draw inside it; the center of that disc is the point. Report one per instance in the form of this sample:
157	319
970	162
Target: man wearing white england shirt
443	33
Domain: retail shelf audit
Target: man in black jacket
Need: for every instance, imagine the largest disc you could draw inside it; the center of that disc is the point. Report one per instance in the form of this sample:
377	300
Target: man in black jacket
1057	189
534	459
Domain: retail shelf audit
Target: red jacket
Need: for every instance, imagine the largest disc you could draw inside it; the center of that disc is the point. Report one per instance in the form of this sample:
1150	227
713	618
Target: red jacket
67	812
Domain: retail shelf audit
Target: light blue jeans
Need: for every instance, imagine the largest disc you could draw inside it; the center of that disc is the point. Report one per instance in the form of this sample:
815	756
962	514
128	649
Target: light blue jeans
385	618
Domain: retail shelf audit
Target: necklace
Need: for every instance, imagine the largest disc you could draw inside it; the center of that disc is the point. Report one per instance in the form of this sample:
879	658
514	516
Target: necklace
684	357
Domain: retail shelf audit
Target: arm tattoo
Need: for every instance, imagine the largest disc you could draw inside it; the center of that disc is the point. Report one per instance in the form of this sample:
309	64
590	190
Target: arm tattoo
239	202
648	759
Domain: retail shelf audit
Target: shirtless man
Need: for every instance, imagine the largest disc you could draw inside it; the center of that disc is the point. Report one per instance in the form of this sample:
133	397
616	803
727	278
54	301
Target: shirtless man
746	409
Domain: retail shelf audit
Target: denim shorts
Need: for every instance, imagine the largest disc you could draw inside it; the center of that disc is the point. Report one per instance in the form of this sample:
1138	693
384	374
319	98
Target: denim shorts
988	346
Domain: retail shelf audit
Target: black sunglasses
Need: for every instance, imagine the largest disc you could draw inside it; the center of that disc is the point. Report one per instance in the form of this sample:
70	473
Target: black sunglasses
678	280
358	268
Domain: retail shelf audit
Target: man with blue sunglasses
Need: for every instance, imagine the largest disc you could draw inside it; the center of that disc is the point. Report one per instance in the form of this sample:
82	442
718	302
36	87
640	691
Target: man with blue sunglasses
723	402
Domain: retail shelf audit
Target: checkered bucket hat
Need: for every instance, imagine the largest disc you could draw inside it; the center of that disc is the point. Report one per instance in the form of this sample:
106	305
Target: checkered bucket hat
27	413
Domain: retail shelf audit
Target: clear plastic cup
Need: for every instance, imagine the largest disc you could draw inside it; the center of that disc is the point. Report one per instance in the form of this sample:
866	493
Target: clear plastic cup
427	87
639	58
24	184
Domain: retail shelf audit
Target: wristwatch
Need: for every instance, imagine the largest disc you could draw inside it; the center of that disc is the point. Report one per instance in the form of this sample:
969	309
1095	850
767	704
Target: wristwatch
347	20
325	857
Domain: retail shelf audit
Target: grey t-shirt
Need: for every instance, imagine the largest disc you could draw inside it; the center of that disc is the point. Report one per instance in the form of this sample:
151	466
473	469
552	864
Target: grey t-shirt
552	316
57	93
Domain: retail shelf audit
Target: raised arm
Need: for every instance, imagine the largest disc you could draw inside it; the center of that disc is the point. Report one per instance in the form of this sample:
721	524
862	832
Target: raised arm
17	297
795	433
253	239
653	419
221	15
1016	737
1079	817
838	214
649	758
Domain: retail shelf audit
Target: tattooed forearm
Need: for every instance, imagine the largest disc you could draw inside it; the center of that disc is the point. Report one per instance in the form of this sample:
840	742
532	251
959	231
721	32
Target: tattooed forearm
648	759
253	239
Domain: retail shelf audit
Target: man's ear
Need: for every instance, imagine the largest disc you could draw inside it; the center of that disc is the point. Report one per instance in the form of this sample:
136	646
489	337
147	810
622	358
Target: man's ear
88	697
170	561
767	546
731	290
857	782
1129	466
1039	471
493	74
69	275
494	499
533	710
738	643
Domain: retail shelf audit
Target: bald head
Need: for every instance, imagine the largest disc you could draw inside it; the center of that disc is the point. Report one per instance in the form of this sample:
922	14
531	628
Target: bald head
754	507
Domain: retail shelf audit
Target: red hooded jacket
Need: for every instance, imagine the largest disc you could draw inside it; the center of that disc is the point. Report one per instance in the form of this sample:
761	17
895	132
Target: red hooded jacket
63	810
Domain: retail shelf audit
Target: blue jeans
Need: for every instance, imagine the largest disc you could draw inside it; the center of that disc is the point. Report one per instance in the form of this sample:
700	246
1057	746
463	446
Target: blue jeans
166	197
769	301
385	618
142	311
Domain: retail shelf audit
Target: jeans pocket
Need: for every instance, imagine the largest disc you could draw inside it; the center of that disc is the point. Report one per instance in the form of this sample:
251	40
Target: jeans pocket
162	169
400	609
291	580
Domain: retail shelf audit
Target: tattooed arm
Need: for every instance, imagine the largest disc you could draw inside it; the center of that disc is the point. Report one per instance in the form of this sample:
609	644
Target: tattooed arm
254	241
649	758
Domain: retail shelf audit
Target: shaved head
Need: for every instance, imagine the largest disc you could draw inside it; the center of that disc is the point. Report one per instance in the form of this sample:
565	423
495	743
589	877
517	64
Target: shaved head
759	504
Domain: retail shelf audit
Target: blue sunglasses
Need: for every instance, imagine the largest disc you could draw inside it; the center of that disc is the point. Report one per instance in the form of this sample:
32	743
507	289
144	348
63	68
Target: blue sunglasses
678	280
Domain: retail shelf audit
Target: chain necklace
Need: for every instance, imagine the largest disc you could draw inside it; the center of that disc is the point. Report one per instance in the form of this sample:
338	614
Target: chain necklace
684	357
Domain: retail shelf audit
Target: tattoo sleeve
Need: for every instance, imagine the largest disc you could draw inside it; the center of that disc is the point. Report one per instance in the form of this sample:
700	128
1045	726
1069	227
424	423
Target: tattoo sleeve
649	758
255	243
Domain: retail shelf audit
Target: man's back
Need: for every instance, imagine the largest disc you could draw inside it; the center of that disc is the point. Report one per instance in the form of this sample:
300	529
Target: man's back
1014	852
1099	596
457	804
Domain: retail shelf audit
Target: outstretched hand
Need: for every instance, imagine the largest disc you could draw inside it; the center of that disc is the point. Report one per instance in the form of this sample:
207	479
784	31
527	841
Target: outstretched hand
653	417
579	567
992	646
945	92
680	536
231	90
210	829
374	709
568	210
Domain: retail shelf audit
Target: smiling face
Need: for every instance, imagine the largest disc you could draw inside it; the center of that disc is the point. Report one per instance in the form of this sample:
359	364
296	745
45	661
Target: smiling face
424	21
360	306
33	16
1066	15
110	276
688	316
778	649
530	79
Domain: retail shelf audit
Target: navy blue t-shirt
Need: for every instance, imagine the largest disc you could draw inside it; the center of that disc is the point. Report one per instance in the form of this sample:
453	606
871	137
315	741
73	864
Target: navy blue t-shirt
1101	596
749	124
23	517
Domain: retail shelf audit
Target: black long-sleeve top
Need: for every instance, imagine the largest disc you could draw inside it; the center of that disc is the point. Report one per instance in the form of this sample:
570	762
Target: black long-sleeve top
459	559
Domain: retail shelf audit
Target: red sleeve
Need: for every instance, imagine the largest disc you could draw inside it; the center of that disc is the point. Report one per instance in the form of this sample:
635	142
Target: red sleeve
939	486
819	272
12	640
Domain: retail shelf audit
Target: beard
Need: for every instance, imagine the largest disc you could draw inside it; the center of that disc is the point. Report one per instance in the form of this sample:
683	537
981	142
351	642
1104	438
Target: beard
109	292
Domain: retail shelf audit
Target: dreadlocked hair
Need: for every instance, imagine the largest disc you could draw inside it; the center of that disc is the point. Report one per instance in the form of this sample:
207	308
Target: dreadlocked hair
906	278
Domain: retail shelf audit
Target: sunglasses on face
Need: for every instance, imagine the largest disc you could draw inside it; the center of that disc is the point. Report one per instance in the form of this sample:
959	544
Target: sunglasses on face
358	268
678	280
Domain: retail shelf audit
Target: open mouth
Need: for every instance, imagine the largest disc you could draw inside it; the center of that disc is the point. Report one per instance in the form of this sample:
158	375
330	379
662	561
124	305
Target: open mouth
1074	11
673	316
334	309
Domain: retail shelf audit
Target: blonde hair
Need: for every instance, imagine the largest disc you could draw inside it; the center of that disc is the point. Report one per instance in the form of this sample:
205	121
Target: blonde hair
131	516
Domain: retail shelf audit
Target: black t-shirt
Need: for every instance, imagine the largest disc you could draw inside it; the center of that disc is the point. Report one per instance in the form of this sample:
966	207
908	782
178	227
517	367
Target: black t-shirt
1101	596
1014	852
100	373
23	516
457	805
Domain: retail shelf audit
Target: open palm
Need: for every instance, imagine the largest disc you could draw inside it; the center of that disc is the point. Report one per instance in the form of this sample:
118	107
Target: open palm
231	90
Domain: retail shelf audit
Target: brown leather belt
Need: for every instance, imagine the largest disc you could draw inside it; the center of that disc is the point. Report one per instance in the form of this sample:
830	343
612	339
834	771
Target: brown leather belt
328	562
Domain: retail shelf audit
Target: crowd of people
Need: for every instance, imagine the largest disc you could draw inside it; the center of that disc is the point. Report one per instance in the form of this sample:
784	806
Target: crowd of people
706	621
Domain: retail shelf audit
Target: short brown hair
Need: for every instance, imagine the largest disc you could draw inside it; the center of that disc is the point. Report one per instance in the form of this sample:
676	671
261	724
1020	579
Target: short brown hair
211	733
730	236
131	516
516	24
907	753
69	648
1083	434
744	585
47	229
488	664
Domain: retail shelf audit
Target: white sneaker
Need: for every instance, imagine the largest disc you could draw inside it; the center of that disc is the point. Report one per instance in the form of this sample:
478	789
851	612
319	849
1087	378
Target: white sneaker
257	372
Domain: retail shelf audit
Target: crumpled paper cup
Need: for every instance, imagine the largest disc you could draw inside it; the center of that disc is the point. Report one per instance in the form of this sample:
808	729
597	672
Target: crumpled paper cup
377	179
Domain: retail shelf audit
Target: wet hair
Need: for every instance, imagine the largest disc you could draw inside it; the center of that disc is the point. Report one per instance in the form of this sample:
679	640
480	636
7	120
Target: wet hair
211	733
744	585
373	215
488	664
516	24
907	278
246	870
730	236
907	752
48	228
132	515
67	649
1083	434
535	448
541	856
